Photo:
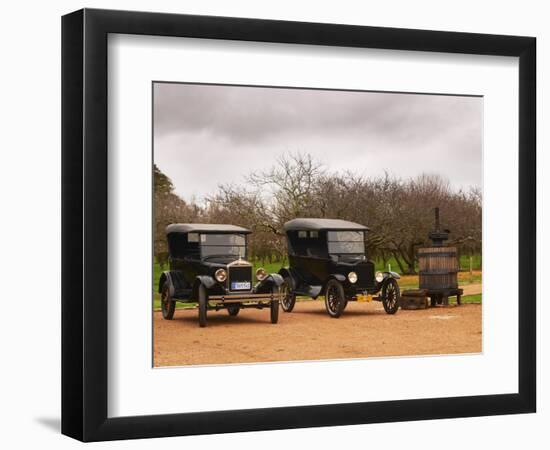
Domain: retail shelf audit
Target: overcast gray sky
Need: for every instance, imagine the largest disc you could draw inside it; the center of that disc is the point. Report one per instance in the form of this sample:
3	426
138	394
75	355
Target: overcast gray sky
208	135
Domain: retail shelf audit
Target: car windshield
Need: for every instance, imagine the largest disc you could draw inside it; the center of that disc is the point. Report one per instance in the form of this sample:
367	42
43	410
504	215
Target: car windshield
223	245
346	242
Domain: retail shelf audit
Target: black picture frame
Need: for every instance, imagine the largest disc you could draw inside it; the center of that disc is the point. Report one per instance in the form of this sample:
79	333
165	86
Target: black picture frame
84	224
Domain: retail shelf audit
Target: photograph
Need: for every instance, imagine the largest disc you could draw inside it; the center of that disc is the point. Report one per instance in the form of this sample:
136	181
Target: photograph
301	224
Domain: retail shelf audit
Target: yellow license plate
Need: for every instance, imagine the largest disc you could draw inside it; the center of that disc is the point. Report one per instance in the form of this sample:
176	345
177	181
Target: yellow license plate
364	298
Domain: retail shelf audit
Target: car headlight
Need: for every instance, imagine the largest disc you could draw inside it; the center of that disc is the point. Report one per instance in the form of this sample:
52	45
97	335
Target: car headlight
352	277
221	275
261	274
379	277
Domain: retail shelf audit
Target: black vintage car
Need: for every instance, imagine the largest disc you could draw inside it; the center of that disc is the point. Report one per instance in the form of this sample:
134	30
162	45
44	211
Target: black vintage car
327	257
208	265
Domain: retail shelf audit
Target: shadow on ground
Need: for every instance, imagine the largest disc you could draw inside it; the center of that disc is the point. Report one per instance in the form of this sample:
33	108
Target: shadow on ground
52	423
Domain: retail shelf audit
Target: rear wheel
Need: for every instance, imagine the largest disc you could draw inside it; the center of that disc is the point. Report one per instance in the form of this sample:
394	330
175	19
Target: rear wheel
233	310
288	298
167	303
390	296
335	299
203	306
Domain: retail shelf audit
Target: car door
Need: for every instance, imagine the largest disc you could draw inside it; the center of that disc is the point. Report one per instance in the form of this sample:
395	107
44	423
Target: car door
311	262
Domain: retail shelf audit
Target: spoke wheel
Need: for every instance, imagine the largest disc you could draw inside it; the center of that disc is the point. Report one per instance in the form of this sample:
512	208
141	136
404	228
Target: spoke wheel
288	298
203	306
168	305
390	296
335	299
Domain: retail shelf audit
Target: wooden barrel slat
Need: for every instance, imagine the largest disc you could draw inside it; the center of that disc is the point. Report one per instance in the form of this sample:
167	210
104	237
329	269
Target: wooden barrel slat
438	268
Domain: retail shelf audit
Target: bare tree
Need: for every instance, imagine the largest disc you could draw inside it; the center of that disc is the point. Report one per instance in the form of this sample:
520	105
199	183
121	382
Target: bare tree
398	212
168	208
289	186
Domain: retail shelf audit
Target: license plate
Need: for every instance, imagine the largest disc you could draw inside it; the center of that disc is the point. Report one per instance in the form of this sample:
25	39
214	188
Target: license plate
240	285
364	298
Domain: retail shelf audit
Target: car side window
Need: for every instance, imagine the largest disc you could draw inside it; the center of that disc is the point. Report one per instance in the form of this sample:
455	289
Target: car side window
302	234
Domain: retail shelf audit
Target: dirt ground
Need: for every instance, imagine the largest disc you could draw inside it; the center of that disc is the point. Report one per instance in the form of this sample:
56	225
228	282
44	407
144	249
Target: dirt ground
308	333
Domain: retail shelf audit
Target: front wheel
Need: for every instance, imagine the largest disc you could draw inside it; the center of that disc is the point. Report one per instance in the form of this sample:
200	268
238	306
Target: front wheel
288	298
335	299
203	305
390	296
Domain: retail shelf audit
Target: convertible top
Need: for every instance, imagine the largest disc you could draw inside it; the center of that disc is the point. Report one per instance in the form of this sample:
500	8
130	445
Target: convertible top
205	228
323	224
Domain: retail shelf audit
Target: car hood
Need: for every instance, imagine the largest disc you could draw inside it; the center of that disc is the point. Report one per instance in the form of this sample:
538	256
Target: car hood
350	261
219	261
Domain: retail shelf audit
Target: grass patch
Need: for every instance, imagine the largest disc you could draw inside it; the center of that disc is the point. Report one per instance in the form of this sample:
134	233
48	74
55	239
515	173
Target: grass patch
471	299
467	299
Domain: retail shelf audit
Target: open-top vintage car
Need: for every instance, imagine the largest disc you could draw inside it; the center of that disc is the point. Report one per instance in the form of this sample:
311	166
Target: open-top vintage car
208	265
327	257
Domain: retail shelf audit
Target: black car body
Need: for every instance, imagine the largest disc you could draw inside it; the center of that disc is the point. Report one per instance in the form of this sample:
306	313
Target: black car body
208	265
327	257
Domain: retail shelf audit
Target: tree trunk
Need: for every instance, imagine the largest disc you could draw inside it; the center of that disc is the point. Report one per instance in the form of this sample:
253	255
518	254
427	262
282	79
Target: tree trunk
412	254
398	259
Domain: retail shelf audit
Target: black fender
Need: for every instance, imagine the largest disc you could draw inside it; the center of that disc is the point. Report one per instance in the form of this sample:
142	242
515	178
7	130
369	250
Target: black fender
286	272
275	278
176	281
167	275
386	276
207	280
333	276
266	285
391	275
338	277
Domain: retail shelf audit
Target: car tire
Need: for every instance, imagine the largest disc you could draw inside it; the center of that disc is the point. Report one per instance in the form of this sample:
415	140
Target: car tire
203	306
288	298
274	307
390	296
167	304
233	310
335	298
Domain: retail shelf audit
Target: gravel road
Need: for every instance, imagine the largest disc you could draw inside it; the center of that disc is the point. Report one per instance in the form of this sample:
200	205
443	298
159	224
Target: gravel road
308	333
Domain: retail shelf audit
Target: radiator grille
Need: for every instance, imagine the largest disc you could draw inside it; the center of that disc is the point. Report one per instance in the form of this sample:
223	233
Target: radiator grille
241	275
365	274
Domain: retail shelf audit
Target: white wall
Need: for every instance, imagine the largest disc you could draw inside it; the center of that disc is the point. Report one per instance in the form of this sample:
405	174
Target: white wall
30	192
